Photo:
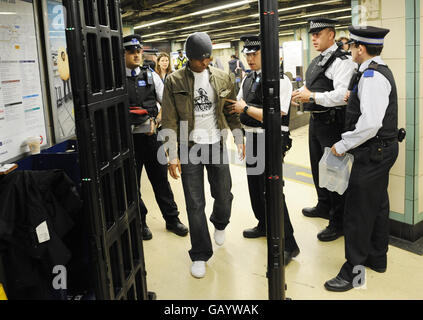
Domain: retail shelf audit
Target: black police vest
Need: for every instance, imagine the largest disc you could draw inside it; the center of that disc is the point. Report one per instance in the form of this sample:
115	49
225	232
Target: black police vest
252	95
141	91
389	127
316	80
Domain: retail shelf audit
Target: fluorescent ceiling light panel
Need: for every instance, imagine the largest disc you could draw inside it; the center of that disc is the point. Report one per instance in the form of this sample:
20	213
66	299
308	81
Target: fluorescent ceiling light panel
231	5
226	6
326	12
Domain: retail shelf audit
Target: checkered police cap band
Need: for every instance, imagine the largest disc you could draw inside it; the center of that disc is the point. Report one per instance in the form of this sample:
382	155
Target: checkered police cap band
321	25
249	43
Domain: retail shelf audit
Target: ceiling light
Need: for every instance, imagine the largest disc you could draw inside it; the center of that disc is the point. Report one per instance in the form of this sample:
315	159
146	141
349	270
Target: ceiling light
7	13
226	6
236	4
201	25
326	12
155	40
307	5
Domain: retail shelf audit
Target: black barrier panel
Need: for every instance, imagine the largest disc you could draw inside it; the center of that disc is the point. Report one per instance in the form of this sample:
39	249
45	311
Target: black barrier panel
126	255
114	131
131	293
100	131
122	115
93	63
109	182
112	15
89	13
114	261
101	9
107	63
120	192
117	63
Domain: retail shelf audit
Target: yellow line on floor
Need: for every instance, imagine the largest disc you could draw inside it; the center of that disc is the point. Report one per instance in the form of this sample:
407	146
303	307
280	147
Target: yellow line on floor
298	181
304	174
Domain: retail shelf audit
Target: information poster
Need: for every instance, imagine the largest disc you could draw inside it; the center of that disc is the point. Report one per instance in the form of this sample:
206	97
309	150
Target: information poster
21	103
64	116
292	56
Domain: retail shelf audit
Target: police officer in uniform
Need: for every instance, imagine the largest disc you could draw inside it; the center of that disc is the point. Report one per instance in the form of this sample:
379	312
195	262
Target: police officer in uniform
327	80
250	108
372	136
149	57
145	88
181	60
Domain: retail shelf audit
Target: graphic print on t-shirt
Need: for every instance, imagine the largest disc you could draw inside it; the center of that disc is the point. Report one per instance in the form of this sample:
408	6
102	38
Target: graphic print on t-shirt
201	101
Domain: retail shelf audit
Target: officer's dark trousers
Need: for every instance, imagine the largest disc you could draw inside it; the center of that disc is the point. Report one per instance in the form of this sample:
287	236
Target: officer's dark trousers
366	219
324	132
256	187
214	159
146	149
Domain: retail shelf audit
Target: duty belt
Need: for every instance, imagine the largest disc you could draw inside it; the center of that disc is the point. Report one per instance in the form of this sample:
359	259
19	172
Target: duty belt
381	141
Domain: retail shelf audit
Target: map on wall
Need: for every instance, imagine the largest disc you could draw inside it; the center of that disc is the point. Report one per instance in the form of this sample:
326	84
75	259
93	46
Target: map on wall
21	102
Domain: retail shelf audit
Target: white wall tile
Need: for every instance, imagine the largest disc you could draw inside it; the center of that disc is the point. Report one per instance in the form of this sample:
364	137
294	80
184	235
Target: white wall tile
394	47
393	9
396	190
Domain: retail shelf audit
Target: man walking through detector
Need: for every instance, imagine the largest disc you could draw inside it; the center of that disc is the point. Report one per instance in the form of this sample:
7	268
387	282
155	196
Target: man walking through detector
193	101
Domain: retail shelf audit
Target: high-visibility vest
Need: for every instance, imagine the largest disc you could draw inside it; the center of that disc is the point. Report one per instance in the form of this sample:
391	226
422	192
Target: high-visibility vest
2	293
181	63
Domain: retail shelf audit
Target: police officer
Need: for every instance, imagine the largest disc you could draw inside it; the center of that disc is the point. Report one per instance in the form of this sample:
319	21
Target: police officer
250	108
181	60
149	57
145	88
327	80
372	136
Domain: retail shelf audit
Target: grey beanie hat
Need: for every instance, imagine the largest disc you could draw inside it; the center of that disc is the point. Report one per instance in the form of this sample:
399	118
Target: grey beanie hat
198	46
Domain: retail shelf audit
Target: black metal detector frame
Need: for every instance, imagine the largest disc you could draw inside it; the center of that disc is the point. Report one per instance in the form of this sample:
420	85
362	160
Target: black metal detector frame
269	26
106	153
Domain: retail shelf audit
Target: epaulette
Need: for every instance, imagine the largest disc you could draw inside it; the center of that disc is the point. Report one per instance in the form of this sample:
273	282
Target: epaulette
369	73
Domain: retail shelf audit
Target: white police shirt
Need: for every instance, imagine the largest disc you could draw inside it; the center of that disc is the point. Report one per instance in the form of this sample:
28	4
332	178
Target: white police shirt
373	93
340	72
285	93
158	83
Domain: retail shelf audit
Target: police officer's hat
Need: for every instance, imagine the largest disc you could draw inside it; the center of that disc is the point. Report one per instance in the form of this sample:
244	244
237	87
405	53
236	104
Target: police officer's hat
367	35
132	41
319	23
152	51
251	43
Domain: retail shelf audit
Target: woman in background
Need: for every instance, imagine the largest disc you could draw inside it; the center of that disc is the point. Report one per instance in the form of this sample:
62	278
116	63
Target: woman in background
163	67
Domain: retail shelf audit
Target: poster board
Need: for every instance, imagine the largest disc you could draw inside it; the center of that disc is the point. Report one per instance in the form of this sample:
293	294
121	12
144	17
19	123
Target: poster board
292	56
58	70
21	98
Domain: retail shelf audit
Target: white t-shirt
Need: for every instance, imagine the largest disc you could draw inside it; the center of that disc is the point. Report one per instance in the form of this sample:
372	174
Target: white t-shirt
205	99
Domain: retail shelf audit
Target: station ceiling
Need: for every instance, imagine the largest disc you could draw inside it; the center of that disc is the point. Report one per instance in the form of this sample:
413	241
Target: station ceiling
223	20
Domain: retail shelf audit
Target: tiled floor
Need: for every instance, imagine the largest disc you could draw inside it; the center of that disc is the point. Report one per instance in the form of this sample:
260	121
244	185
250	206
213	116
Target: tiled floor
237	269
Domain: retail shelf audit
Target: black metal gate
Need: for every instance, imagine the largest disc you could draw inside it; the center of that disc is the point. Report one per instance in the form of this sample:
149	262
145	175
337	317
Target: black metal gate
109	183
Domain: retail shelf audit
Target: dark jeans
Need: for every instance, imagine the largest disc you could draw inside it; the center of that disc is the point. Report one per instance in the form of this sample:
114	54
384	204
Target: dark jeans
219	178
321	135
146	149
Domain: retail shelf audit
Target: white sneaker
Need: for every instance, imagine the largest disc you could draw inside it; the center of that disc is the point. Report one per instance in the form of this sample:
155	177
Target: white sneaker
198	269
219	237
